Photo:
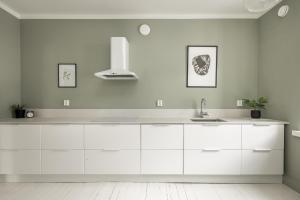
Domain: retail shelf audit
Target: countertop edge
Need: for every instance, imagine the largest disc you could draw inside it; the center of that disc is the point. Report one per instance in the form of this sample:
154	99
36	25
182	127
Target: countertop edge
45	121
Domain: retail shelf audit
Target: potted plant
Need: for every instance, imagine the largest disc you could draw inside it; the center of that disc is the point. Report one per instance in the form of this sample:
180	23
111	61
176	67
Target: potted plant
18	110
256	105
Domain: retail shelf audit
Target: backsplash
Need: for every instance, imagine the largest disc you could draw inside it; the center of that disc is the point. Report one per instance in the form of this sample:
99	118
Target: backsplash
133	113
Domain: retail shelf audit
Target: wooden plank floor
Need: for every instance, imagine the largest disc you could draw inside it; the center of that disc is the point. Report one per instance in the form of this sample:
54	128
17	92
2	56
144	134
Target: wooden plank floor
144	191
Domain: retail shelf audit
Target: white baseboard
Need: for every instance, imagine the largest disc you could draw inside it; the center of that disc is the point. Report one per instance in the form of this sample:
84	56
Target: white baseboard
141	178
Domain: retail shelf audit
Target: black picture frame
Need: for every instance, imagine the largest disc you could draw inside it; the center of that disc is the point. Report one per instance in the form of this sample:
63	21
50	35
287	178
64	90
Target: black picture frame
187	66
59	66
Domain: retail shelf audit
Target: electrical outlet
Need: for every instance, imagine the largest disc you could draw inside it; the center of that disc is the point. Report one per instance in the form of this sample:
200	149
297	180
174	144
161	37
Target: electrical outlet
67	102
239	103
159	103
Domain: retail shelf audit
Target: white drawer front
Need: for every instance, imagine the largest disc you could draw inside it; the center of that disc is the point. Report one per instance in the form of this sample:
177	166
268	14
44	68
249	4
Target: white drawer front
20	162
212	136
162	136
62	137
112	136
162	162
268	137
112	161
210	162
262	162
63	162
20	137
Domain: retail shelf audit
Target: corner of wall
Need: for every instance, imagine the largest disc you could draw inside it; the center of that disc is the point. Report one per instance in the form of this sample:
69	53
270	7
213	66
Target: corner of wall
292	183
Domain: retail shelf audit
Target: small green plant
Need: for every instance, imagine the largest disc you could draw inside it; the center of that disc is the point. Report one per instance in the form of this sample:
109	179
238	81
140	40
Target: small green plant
17	107
256	104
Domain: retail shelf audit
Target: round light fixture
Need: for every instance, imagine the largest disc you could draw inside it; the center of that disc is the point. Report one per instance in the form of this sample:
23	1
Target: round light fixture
260	5
145	29
283	10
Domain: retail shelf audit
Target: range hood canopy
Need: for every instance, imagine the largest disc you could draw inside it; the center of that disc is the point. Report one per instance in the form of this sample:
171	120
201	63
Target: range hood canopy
119	60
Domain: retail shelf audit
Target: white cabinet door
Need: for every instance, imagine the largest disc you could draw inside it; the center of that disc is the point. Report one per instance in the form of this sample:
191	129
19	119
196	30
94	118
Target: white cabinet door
212	162
20	161
263	136
20	137
62	137
112	161
262	162
112	136
212	136
162	162
63	162
162	136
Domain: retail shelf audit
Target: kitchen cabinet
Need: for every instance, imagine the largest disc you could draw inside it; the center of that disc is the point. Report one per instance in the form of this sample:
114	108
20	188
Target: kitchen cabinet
20	137
146	149
62	137
112	136
263	149
62	162
162	149
212	136
212	162
112	161
20	162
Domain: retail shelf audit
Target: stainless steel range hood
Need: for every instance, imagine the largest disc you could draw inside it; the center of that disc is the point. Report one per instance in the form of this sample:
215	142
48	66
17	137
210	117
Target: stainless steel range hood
119	60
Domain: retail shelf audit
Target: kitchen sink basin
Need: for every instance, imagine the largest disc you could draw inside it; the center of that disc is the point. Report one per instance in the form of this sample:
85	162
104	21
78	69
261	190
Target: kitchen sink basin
207	120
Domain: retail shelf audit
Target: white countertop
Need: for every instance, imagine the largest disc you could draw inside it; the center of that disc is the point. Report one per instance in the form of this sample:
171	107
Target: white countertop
134	121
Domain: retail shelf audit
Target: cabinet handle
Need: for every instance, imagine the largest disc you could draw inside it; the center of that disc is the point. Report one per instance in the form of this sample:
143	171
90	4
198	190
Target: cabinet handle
211	124
262	150
60	150
261	125
111	149
212	150
160	124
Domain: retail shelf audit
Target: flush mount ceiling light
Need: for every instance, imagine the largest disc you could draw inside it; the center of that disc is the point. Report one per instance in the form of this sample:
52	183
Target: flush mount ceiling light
145	29
283	10
260	5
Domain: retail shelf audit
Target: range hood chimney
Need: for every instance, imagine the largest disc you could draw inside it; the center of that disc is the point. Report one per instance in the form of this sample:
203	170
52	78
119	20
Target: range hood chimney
119	61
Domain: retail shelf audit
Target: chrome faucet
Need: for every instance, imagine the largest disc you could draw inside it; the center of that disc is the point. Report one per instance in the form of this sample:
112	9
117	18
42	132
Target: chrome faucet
203	103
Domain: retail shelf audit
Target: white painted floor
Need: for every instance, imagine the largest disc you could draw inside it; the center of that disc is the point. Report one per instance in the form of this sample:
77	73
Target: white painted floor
144	191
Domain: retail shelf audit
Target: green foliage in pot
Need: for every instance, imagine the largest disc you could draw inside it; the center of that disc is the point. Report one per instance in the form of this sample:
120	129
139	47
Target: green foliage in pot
256	104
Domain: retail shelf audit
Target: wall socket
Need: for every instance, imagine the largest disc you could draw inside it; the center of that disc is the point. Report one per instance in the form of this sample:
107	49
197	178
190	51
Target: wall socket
67	102
159	103
239	103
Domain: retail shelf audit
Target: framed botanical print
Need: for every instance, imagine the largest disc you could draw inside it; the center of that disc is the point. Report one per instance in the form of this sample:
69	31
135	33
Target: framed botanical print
67	75
202	64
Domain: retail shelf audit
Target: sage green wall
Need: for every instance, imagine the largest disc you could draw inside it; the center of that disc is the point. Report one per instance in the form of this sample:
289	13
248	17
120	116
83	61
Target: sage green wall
10	71
279	72
159	60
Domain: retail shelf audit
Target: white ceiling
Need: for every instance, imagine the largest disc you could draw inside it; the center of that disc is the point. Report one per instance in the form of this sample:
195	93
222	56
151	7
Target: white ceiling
129	9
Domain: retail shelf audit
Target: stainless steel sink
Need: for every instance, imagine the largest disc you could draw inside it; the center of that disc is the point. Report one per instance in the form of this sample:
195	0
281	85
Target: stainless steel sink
207	120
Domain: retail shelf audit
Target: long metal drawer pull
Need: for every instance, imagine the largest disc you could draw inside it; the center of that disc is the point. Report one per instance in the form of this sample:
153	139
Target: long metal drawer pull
211	124
163	125
261	125
211	150
262	150
60	150
111	149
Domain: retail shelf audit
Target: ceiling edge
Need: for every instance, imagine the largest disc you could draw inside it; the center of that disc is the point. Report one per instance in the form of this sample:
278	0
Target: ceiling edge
10	10
143	16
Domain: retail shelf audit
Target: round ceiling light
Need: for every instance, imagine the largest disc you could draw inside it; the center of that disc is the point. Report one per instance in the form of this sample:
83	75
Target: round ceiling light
260	5
145	29
283	10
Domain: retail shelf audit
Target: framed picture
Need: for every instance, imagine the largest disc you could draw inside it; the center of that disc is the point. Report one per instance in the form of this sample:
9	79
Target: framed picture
202	64
67	75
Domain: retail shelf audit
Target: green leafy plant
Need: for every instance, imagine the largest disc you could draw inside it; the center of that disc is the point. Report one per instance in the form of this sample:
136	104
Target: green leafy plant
256	104
17	107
